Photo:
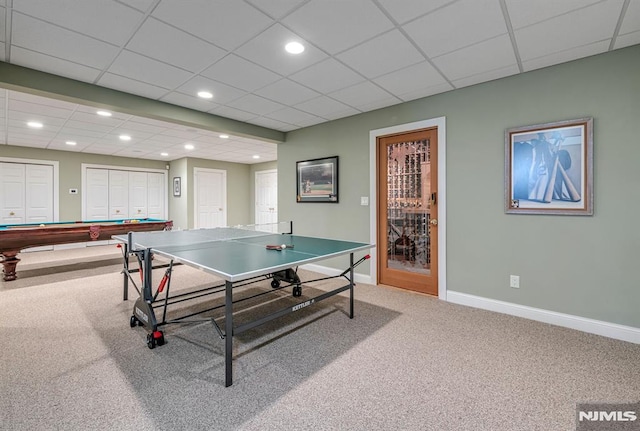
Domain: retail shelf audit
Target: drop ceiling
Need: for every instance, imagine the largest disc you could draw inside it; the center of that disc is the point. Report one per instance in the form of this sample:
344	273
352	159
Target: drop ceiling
360	55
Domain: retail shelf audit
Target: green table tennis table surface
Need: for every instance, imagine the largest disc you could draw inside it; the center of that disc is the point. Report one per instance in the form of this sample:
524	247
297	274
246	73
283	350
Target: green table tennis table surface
234	254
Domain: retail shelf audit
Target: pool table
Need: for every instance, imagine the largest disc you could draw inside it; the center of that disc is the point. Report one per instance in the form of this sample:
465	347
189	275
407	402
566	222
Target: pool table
17	237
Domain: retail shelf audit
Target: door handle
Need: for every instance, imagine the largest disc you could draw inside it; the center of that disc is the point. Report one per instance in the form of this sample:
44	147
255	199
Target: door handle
433	222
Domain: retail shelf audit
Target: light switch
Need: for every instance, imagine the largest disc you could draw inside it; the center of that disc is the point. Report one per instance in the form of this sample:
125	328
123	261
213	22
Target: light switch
364	200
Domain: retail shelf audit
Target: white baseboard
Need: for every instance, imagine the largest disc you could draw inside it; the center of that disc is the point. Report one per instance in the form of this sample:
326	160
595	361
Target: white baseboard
358	278
598	327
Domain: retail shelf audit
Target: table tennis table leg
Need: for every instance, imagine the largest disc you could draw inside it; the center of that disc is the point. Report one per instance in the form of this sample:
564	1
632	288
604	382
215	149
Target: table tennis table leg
351	286
125	273
228	336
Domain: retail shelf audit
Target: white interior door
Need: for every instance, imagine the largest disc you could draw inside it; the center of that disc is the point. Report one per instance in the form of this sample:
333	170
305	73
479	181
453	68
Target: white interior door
12	193
210	197
266	197
137	194
39	193
155	195
118	195
97	194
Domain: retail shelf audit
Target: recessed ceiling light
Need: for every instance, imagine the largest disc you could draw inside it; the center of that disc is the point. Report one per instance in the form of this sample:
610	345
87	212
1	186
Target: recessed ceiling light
294	47
205	94
125	137
164	154
35	124
104	113
72	143
224	136
256	156
188	146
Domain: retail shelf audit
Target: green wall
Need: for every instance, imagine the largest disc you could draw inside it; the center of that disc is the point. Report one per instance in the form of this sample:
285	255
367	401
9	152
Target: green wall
578	265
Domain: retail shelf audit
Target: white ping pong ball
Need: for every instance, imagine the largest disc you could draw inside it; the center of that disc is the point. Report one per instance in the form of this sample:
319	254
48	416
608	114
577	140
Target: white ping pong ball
284	246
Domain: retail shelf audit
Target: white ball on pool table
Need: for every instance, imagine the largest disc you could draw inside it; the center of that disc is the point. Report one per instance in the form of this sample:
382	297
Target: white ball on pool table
41	225
283	246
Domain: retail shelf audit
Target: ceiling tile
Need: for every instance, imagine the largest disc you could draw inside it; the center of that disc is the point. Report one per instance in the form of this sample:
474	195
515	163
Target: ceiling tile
413	82
114	23
392	52
295	117
131	86
286	92
202	18
222	93
489	75
339	25
361	96
240	73
627	40
582	27
327	76
188	101
234	114
460	24
56	66
483	57
272	124
327	108
141	5
162	42
268	50
138	67
406	10
524	13
276	9
39	36
631	21
564	56
256	105
38	109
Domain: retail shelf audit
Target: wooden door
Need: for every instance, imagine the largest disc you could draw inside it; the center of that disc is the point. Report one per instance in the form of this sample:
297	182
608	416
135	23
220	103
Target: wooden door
407	210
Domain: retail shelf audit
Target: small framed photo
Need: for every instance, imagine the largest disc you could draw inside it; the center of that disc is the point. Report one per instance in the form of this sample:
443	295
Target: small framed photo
317	180
177	187
549	168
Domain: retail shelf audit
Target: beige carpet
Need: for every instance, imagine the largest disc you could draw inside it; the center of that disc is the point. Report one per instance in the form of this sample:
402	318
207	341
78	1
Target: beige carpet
70	361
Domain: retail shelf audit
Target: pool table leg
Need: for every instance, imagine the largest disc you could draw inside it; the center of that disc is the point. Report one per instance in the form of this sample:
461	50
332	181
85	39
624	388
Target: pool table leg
9	263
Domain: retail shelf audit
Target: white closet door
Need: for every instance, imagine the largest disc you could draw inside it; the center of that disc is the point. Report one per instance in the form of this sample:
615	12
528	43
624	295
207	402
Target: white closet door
97	193
118	195
12	193
155	195
39	193
138	194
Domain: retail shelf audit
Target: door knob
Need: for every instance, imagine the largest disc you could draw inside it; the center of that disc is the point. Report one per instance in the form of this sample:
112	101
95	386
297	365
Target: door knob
434	221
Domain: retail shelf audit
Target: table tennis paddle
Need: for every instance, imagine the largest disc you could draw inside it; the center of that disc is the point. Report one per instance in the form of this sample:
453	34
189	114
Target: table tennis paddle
279	247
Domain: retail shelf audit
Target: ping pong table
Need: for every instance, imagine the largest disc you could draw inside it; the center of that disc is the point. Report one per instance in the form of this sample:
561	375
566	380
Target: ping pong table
239	256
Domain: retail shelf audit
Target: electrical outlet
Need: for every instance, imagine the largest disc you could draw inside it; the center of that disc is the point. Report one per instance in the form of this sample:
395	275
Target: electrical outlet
514	281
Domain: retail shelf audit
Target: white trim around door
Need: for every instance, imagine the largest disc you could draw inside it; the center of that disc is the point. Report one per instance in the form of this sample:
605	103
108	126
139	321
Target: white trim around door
440	123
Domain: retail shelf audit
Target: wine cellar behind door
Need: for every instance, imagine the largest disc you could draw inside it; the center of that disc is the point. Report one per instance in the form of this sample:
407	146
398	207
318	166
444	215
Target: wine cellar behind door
408	206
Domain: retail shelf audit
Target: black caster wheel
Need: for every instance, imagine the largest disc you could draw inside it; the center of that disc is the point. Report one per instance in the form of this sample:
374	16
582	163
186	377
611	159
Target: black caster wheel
151	342
133	321
275	284
297	291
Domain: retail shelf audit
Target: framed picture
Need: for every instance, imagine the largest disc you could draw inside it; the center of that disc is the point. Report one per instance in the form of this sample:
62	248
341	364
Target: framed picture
549	168
177	187
317	180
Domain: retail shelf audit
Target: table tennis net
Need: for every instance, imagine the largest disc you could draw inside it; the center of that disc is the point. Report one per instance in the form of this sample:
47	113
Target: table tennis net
195	237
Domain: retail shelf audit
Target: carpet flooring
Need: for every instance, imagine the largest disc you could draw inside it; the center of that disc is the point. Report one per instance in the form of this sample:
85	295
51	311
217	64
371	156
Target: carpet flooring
70	361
